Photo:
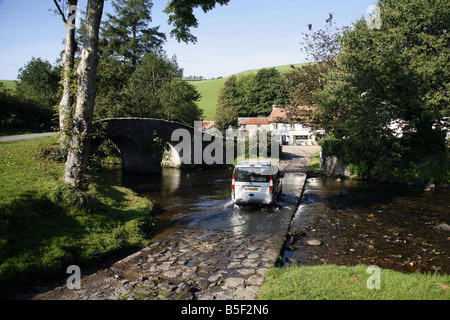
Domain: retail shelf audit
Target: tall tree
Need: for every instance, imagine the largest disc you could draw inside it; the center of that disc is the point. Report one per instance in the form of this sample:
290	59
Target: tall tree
391	87
154	90
321	48
126	35
79	140
228	104
271	89
180	15
68	58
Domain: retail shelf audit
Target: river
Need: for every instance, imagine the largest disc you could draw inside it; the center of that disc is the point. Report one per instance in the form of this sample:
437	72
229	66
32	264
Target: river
393	226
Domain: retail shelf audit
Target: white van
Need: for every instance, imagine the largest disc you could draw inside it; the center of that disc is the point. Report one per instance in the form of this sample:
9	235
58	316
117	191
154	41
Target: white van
257	182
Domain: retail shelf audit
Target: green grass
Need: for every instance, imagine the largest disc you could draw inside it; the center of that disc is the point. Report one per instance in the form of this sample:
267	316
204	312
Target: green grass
314	167
45	225
9	84
210	90
331	282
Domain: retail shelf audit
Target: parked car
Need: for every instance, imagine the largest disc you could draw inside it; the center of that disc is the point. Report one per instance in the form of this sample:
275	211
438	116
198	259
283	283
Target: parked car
256	182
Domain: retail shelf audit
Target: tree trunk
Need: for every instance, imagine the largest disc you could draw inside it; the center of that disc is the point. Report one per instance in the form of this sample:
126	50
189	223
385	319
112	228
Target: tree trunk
79	141
65	106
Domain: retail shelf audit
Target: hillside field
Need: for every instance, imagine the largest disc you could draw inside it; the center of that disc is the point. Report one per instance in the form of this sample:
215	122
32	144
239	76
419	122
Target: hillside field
9	84
210	90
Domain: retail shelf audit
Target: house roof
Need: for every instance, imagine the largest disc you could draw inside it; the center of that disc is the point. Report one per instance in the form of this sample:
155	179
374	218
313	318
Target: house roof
254	121
285	115
208	124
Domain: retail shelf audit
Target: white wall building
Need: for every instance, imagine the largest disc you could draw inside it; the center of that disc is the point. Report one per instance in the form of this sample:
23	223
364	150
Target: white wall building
291	132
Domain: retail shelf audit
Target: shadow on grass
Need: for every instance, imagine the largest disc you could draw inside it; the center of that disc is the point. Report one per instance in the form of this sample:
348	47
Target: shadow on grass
41	235
30	227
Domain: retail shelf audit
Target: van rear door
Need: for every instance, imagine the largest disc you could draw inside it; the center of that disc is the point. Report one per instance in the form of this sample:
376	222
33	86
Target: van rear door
253	184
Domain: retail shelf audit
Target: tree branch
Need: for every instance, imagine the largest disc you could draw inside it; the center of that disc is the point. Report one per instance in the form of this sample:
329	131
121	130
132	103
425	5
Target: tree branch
60	11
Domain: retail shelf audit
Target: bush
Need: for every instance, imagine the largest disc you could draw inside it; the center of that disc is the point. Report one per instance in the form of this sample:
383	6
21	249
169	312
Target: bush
389	160
19	114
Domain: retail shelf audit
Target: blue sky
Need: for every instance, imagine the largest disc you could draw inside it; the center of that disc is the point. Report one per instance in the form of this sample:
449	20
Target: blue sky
246	34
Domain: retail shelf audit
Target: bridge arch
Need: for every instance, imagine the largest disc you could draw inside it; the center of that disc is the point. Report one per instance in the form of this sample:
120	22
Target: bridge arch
145	144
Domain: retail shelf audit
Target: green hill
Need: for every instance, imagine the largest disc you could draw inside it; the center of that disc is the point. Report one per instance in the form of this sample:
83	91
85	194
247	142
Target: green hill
210	90
9	84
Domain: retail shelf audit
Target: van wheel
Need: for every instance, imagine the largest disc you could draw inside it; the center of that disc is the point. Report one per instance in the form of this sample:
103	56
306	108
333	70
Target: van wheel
279	194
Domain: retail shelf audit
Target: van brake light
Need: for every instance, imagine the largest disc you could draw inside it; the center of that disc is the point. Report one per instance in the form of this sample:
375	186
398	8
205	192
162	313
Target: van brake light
270	183
234	177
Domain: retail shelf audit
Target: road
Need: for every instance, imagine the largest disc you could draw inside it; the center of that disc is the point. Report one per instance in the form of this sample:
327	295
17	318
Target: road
224	259
26	136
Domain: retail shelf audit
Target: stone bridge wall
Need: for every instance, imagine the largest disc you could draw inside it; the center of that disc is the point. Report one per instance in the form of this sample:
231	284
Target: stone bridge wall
142	142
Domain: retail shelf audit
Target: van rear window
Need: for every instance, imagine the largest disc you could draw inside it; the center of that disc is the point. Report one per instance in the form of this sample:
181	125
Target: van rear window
252	175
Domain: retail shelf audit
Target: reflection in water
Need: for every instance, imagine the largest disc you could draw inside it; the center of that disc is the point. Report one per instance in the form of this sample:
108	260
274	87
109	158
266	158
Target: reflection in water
201	199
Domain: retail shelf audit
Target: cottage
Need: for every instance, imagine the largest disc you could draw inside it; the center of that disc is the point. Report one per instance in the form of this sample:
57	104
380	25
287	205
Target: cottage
249	126
291	129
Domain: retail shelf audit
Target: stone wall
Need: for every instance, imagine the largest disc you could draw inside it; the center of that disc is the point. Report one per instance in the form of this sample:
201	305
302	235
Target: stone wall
335	167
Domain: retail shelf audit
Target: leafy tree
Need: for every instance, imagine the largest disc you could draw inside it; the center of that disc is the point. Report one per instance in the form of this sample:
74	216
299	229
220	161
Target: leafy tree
39	81
112	79
126	35
179	103
250	95
390	91
228	105
321	48
154	91
19	113
181	16
271	89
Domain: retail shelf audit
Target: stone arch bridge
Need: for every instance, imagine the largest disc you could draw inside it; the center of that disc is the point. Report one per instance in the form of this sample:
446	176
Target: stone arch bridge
146	144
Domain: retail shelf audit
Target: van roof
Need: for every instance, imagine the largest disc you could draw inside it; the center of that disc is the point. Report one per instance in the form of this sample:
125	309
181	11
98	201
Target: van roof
255	163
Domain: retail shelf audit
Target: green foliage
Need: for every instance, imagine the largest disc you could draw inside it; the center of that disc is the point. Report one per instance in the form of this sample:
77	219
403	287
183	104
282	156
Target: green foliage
227	109
388	160
181	16
399	73
30	107
388	96
112	78
39	81
250	95
154	91
126	35
21	114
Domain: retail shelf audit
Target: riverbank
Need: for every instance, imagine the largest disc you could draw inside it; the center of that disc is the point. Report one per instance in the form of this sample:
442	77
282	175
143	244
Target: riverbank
47	226
340	171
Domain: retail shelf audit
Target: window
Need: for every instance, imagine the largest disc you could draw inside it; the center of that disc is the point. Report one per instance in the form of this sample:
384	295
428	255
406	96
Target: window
292	126
252	175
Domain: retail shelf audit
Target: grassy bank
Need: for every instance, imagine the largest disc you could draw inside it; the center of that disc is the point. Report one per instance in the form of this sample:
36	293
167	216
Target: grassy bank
314	168
331	282
45	225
